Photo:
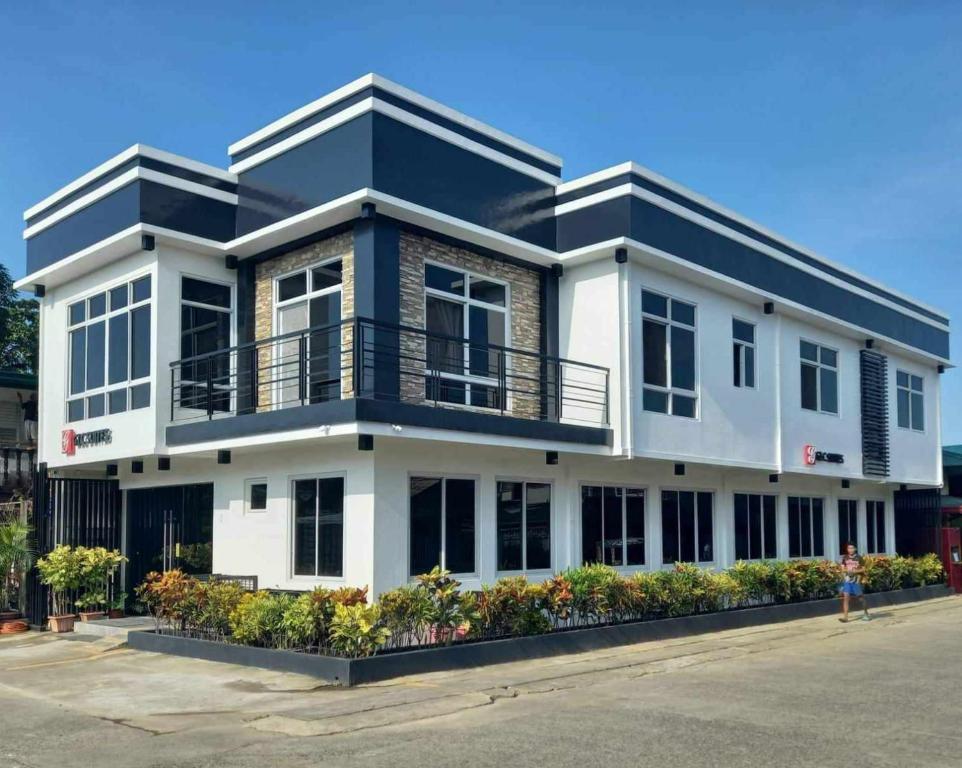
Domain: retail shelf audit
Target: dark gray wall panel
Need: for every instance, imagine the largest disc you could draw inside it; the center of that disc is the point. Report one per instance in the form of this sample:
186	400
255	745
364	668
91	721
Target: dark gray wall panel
106	217
333	164
186	212
428	171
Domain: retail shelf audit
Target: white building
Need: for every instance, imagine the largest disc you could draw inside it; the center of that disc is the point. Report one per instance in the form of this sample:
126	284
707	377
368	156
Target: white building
389	336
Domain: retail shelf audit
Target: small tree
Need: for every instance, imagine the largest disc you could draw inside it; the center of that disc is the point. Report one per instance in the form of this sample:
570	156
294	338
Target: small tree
61	570
16	557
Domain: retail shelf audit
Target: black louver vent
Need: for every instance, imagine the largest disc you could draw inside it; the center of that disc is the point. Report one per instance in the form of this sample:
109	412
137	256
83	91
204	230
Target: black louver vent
875	414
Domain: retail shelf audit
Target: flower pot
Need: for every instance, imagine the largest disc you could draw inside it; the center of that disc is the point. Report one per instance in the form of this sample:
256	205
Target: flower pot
62	623
12	626
115	613
91	615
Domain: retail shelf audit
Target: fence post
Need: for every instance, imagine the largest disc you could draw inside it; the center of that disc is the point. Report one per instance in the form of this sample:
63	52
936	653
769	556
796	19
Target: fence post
302	368
210	392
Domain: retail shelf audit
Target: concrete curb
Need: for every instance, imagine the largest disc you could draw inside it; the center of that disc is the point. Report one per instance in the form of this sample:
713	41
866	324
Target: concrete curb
475	654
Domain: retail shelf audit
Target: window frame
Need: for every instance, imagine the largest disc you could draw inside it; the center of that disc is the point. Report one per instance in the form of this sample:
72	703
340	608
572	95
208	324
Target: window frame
714	525
871	530
739	359
128	384
670	390
304	578
910	391
444	477
249	483
762	495
524	524
818	365
276	388
811	526
232	341
646	565
466	303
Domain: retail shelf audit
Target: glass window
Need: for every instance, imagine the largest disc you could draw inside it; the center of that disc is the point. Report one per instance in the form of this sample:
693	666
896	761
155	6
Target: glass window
205	329
318	509
524	526
755	536
847	523
805	527
687	527
459	305
668	355
291	287
612	525
909	401
442	524
257	495
326	276
205	292
819	377
743	353
875	527
109	346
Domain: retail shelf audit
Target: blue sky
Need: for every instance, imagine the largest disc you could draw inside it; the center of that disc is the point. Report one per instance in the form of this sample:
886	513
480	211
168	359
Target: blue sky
837	124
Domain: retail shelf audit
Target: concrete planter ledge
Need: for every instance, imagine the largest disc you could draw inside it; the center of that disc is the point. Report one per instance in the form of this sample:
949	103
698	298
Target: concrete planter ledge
475	654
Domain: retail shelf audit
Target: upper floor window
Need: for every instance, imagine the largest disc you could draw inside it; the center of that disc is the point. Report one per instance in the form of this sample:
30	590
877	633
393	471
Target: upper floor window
911	414
109	351
743	353
524	526
309	299
819	368
459	305
668	355
205	328
442	524
612	525
687	525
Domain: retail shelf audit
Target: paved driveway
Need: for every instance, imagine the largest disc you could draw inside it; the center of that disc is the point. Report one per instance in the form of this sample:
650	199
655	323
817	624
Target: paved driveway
806	693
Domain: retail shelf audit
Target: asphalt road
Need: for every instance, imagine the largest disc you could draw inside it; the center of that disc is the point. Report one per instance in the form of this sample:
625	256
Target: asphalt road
807	693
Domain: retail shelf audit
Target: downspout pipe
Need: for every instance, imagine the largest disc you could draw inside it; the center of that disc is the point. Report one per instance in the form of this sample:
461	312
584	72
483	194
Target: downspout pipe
624	328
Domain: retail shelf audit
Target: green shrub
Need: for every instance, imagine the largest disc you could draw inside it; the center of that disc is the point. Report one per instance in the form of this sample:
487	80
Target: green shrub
304	622
170	597
62	571
556	599
258	619
452	612
751	581
356	630
406	612
512	607
590	590
211	606
924	570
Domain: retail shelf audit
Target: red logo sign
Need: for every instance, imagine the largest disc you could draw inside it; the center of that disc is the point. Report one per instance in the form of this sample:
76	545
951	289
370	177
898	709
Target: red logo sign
67	444
809	455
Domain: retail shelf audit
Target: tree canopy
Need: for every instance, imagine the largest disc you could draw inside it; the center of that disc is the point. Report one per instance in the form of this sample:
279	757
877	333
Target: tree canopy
19	327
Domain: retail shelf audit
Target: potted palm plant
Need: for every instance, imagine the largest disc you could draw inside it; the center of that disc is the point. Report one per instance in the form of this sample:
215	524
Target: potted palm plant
16	557
61	570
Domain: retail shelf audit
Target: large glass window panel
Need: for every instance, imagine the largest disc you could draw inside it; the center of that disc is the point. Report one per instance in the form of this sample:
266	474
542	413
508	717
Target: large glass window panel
287	363
770	516
78	360
118	347
445	318
97	305
487	291
654	304
818	528
140	289
634	526
686	526
794	527
805	526
653	400
682	312
682	358
96	364
117	400
326	276
324	348
140	342
591	530
706	536
654	342
459	525
78	312
743	331
204	292
443	279
292	286
847	523
669	527
140	396
683	406
96	406
538	526
741	527
118	297
330	527
426	499
829	390
75	410
510	514
808	351
918	414
749	366
755	526
810	387
305	527
614	534
486	327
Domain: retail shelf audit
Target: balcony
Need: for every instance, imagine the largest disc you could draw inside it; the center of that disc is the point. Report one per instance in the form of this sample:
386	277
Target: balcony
362	370
17	464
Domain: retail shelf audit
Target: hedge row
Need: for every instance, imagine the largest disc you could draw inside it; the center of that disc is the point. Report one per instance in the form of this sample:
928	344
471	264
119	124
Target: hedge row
433	610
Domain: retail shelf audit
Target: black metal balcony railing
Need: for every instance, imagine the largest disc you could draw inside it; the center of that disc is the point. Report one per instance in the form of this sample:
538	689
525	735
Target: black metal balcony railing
17	463
360	358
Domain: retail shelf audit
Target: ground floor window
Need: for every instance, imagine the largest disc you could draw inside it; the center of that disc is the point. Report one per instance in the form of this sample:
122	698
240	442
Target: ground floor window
847	523
805	527
524	526
612	525
442	524
755	527
687	531
319	527
875	527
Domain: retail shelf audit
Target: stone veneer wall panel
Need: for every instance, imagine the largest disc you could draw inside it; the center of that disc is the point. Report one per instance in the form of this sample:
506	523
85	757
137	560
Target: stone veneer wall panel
341	245
525	306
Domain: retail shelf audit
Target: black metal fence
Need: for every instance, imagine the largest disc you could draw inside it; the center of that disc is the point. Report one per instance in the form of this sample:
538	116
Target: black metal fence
367	359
